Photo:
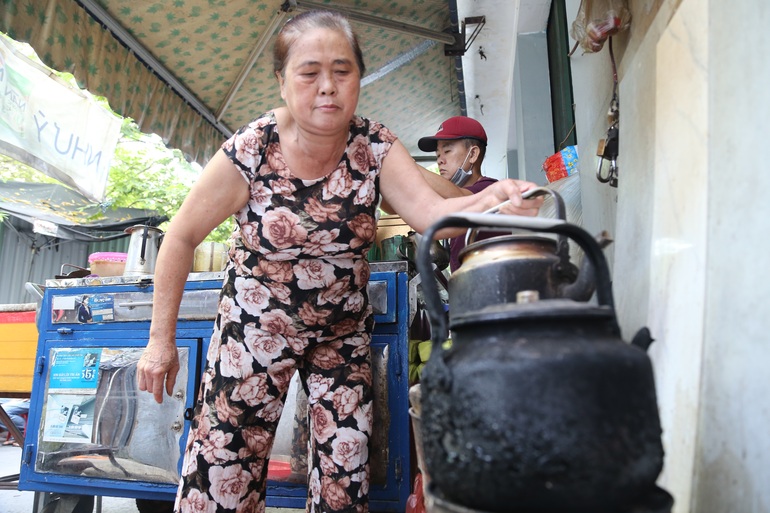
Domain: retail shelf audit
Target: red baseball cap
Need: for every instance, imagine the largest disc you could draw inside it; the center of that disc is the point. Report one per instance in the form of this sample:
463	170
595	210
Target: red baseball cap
457	127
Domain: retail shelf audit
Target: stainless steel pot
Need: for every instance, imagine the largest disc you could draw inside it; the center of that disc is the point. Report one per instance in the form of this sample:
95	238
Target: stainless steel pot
142	249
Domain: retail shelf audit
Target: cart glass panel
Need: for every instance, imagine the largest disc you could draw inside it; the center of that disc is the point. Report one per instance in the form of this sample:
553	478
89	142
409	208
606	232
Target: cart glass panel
96	423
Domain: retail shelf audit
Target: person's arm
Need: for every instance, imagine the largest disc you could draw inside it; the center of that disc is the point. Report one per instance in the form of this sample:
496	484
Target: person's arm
438	183
219	192
411	196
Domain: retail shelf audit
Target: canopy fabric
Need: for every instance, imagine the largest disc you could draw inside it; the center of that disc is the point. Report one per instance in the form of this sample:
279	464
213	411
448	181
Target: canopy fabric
60	212
221	54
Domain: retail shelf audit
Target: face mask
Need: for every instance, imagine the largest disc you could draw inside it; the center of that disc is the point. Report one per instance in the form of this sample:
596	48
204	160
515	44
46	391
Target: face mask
460	177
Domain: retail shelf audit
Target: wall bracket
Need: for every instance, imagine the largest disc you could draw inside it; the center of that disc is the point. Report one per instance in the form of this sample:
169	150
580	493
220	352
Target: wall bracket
462	44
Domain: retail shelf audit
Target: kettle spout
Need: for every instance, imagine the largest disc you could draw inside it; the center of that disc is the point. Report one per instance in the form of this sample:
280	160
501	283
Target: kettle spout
643	339
583	287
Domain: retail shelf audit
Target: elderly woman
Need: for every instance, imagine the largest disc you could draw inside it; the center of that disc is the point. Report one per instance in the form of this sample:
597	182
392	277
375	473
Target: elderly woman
303	182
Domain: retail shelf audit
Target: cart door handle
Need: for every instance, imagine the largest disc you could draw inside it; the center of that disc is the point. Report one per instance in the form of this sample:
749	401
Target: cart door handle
134	304
40	364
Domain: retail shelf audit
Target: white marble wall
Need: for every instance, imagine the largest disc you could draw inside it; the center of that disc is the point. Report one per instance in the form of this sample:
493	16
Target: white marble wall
690	219
678	251
733	465
489	80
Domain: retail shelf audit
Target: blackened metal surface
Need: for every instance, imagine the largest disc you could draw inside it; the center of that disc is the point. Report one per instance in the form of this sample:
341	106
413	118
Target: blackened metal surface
657	500
553	417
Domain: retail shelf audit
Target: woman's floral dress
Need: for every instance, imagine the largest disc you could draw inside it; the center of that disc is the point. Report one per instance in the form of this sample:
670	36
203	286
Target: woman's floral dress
294	297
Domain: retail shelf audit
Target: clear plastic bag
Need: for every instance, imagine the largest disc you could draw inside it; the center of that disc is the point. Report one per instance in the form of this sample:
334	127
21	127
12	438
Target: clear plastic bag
597	20
569	190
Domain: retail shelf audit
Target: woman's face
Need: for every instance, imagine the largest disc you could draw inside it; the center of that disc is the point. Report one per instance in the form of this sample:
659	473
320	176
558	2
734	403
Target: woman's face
321	81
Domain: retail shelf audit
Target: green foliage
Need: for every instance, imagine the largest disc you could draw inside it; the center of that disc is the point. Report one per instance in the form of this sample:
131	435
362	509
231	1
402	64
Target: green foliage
147	174
11	170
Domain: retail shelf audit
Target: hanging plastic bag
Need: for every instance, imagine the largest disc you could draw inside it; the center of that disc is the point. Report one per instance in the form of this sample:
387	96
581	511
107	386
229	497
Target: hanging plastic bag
569	190
597	20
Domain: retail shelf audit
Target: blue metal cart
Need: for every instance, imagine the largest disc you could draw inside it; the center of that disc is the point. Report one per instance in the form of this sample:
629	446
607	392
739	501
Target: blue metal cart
91	433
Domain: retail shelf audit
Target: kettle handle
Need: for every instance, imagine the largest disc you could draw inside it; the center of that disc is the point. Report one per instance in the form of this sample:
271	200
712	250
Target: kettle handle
562	248
589	245
144	244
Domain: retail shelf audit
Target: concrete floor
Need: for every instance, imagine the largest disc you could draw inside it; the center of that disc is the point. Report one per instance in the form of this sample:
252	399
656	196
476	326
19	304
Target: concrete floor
15	501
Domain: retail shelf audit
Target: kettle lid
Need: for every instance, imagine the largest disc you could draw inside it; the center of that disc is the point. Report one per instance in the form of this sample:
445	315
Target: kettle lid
512	245
132	229
544	309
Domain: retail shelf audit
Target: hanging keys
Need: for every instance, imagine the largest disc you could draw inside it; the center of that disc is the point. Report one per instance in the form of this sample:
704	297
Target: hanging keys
608	150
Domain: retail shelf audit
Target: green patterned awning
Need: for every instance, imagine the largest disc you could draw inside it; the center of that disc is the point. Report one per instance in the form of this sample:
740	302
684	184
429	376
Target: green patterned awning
209	49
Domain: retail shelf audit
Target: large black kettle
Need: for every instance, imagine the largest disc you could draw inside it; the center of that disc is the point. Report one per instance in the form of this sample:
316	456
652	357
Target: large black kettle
538	405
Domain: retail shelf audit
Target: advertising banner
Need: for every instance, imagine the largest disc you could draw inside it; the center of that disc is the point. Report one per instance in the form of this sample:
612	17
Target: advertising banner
72	385
52	126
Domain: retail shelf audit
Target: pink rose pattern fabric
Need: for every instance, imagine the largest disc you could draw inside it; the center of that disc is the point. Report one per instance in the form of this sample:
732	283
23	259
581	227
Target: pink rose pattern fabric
294	298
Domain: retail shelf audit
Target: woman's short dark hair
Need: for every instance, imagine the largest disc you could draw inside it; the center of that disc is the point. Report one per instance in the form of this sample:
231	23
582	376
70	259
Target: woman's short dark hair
310	20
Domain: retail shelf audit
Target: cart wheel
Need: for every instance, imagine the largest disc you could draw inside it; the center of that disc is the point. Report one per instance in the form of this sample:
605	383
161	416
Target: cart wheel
154	506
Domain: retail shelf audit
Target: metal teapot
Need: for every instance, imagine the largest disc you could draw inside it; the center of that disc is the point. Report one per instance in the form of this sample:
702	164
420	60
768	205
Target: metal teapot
143	249
493	270
538	405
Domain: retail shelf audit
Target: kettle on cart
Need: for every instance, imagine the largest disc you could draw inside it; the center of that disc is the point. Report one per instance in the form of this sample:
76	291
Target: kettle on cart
143	249
538	404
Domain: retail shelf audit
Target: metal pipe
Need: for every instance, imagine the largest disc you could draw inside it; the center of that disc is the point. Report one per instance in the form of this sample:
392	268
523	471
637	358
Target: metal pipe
253	56
98	12
375	21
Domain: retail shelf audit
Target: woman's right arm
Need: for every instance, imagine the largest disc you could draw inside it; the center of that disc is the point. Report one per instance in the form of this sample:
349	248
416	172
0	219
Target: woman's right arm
438	183
413	198
219	192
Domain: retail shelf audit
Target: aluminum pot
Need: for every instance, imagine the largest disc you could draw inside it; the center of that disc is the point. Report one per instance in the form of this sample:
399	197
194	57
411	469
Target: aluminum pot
143	249
538	405
210	257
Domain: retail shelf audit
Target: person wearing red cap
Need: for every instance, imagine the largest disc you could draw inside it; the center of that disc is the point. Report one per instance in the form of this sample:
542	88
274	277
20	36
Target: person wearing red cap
460	145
